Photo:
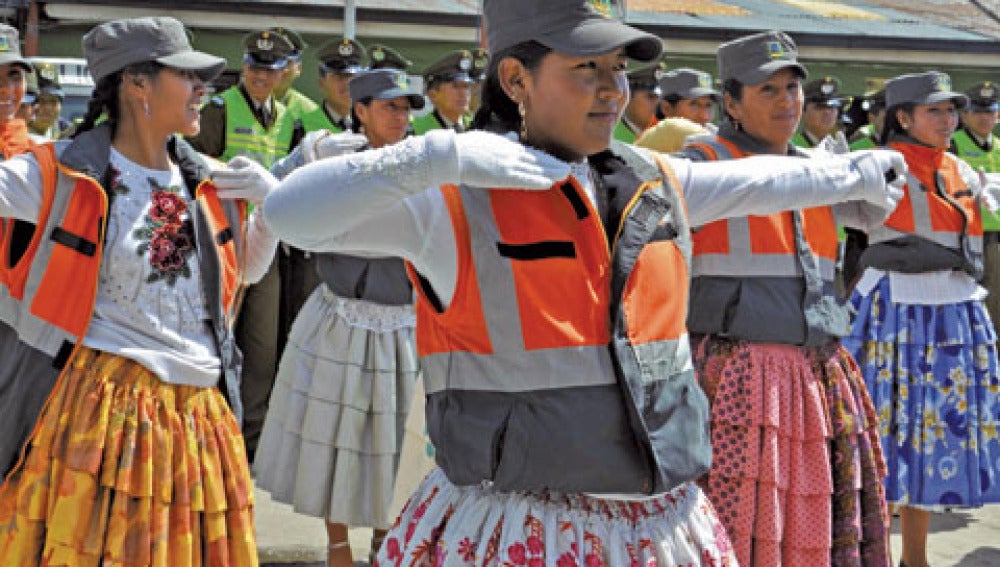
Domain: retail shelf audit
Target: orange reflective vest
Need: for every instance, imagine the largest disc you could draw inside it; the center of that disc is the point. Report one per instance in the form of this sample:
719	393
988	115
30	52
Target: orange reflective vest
562	361
937	206
14	140
47	302
765	278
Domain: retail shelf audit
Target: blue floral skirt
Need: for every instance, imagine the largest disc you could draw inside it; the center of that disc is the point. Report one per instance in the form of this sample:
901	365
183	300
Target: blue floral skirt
931	371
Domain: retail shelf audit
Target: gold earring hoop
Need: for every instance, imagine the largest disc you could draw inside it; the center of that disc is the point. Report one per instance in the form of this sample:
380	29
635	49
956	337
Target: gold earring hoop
524	121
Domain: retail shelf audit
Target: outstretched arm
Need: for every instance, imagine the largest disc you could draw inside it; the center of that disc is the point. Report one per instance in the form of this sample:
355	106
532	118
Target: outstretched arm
763	185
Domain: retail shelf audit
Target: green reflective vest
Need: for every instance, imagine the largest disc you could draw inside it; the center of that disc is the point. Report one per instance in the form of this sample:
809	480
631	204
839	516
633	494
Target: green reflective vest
319	120
246	137
864	138
970	152
430	121
297	104
623	133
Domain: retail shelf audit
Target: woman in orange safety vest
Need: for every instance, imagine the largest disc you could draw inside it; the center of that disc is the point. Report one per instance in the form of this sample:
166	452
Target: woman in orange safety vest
796	466
551	270
922	335
116	441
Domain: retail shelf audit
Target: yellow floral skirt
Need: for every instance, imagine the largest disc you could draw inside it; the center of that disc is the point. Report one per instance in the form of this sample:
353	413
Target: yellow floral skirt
125	470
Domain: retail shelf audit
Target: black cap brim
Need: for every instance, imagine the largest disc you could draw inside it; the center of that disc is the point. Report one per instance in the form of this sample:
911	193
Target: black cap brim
249	59
206	66
597	35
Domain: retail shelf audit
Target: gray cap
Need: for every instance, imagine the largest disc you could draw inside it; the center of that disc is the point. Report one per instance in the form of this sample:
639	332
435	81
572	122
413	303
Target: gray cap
10	48
112	46
647	78
572	27
267	49
751	60
342	56
922	88
688	83
384	84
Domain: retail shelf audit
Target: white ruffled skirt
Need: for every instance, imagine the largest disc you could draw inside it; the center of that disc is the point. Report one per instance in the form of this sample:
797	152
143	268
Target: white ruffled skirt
334	428
444	525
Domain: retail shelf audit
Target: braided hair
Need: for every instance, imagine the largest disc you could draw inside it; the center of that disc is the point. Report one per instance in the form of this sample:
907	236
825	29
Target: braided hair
104	102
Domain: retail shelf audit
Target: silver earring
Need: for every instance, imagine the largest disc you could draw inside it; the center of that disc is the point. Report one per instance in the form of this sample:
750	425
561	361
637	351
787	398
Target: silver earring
524	121
145	107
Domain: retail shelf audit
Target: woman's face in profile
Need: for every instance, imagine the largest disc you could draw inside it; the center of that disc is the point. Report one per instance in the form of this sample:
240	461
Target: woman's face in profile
572	104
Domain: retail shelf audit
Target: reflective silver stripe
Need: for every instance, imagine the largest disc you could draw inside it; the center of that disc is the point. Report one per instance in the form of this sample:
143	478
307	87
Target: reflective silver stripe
742	261
525	371
756	265
653	355
948	239
32	330
494	275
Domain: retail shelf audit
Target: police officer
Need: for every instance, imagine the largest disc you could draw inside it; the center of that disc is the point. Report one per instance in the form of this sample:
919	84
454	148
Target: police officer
822	111
48	123
385	57
640	113
480	64
26	110
244	120
870	135
688	93
296	103
448	83
339	60
978	146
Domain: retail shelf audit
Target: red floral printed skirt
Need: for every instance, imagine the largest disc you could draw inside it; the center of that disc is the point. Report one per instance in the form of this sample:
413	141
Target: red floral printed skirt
444	525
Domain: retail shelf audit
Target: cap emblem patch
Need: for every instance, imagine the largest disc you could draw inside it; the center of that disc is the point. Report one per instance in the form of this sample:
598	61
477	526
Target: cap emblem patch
942	83
775	50
345	49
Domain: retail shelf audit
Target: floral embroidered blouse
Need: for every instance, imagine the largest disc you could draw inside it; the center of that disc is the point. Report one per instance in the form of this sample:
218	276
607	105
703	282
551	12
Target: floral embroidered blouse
150	305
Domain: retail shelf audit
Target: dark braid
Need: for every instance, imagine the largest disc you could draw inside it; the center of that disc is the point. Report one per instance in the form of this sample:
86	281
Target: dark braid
497	112
104	101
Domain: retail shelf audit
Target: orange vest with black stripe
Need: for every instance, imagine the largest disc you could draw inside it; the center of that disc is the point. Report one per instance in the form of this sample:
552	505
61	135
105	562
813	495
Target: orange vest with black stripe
938	214
14	140
765	278
47	302
562	361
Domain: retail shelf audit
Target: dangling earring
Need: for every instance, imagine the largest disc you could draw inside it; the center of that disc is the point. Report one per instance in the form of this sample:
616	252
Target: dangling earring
737	125
524	121
145	107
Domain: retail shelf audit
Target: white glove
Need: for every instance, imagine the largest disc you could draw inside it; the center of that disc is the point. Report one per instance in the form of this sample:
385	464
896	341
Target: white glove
243	178
883	175
321	144
493	161
989	195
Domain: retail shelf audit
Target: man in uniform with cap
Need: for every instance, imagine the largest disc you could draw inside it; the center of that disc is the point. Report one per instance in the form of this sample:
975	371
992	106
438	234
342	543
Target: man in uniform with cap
296	103
977	145
245	120
48	123
26	110
480	64
339	60
688	93
640	113
869	135
822	111
385	57
448	83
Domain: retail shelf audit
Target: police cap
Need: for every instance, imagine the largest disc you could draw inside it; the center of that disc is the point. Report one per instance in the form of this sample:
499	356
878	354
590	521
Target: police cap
480	64
385	57
342	56
647	78
10	48
824	91
298	44
384	84
454	66
267	49
983	97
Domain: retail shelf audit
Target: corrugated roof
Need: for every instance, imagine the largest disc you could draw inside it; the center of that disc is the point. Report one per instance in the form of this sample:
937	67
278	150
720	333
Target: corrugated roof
959	14
886	20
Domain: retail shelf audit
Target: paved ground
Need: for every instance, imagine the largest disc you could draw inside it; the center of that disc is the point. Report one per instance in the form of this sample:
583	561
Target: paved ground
287	539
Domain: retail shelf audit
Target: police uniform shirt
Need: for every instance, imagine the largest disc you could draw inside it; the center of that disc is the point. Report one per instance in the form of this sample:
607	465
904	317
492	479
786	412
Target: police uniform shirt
211	138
